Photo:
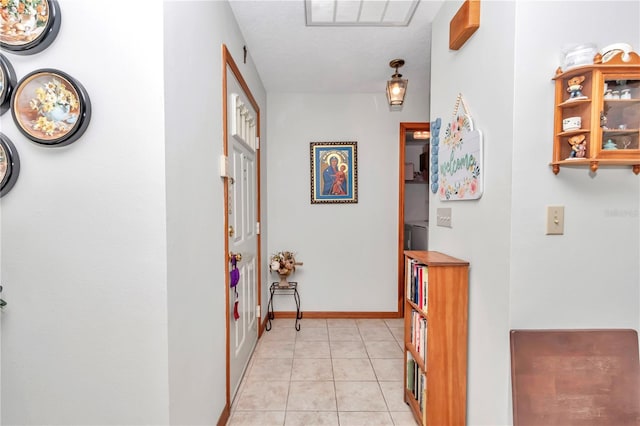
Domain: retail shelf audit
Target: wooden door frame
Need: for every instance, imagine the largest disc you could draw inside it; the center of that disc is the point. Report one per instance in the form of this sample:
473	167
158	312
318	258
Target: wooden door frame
404	128
228	60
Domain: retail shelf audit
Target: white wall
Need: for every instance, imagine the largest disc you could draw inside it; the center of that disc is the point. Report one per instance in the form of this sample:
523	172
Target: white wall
519	277
84	336
483	72
590	276
194	34
349	250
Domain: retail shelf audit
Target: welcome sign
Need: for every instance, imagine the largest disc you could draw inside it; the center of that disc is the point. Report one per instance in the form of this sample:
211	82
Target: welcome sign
460	165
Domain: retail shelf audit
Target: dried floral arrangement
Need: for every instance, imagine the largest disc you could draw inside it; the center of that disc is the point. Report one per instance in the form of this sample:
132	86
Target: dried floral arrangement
283	263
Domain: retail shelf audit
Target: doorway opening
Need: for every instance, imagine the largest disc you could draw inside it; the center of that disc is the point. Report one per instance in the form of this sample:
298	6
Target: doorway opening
413	200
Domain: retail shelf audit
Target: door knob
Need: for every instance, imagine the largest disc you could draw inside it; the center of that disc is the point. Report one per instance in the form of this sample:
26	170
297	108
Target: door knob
233	255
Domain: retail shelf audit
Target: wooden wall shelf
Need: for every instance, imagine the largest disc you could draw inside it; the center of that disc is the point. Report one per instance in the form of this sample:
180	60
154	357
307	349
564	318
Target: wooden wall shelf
610	125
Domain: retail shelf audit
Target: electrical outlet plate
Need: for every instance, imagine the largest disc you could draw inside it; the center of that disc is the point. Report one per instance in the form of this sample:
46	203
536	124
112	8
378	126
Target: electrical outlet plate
555	220
443	216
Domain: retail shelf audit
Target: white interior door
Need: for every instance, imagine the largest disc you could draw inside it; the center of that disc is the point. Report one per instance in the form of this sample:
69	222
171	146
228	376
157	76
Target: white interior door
242	120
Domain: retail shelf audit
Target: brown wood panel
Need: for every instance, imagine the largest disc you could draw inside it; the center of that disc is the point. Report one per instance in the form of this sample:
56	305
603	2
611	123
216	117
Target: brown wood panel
434	258
465	22
447	344
575	377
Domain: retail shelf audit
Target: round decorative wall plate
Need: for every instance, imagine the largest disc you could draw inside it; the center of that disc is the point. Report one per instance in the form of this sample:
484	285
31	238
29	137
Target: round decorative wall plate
50	107
9	165
28	26
7	83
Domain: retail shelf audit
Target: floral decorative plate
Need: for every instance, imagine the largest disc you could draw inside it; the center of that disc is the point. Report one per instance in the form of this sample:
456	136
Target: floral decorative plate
28	26
50	107
9	165
7	83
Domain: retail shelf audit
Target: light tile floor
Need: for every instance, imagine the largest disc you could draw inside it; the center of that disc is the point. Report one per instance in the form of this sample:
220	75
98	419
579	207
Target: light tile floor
332	372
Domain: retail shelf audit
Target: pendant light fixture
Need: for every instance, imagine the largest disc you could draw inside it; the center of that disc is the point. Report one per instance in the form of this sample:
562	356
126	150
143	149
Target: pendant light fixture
397	86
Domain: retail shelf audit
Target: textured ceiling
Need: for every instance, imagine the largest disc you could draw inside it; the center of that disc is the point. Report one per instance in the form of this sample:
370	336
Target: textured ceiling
291	57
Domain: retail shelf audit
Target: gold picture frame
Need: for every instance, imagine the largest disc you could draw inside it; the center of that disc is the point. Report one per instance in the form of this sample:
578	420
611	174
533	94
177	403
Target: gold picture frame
334	172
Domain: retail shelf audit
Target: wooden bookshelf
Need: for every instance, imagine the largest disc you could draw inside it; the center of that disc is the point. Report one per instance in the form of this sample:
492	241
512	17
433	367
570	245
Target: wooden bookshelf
435	337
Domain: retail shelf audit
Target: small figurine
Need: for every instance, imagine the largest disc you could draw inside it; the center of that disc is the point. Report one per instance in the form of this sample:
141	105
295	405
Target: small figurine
578	146
575	88
610	145
603	120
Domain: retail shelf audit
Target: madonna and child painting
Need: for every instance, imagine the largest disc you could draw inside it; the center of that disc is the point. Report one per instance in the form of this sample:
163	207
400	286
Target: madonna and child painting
334	174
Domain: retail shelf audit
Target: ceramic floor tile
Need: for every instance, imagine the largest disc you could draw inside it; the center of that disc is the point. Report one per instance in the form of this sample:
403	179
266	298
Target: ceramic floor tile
347	349
257	418
313	323
403	418
311	418
398	333
280	334
263	396
334	372
341	323
394	322
353	370
393	393
369	418
312	396
388	369
318	334
278	323
270	369
274	350
371	323
383	349
312	369
400	343
304	349
344	334
359	396
376	334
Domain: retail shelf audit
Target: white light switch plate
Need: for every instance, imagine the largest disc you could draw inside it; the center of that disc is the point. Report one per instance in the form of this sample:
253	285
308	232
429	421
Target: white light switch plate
443	217
555	220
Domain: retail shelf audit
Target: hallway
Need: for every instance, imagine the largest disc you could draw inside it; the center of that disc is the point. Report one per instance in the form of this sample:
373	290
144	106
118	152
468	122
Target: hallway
343	372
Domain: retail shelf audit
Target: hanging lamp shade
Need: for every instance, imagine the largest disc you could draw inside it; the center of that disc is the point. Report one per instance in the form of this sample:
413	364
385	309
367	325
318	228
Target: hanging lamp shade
397	86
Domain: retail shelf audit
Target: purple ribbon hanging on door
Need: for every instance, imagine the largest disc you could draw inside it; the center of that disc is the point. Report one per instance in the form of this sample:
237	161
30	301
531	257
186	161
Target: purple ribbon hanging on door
234	276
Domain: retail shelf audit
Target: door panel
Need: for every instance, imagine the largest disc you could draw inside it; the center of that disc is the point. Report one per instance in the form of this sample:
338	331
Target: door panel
241	214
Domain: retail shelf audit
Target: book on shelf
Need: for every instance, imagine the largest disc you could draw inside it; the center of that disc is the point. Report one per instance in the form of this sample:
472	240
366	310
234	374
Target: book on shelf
411	371
417	283
418	329
416	381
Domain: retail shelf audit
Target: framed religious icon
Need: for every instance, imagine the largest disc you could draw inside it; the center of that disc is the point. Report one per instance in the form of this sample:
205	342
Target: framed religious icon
28	26
50	107
334	172
7	83
9	165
